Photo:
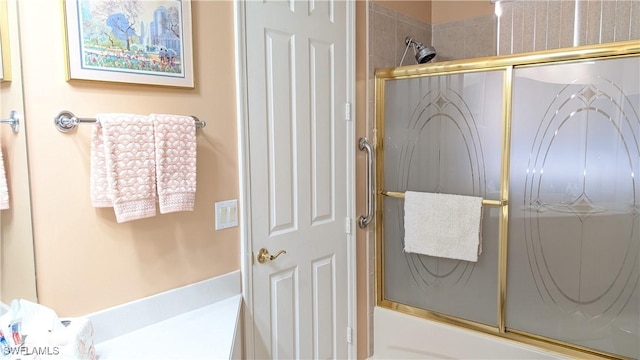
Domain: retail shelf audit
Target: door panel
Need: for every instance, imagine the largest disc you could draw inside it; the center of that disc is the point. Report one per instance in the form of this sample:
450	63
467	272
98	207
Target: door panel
281	136
443	134
284	314
322	109
324	308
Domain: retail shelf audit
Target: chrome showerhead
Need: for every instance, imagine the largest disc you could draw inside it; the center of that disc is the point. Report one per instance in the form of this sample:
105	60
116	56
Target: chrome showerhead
422	53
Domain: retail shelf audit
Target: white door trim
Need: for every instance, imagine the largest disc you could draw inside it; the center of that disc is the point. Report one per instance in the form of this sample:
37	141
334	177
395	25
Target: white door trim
246	256
244	185
351	178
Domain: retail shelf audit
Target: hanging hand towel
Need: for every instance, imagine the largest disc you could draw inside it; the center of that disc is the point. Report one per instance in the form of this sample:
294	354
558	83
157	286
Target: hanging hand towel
129	157
99	186
4	189
442	225
175	138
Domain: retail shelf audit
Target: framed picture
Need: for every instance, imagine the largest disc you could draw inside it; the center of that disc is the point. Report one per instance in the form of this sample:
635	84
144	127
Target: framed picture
130	41
5	60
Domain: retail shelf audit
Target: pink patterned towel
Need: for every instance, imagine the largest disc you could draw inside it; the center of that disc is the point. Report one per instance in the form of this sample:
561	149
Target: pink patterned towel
175	162
4	189
99	186
123	165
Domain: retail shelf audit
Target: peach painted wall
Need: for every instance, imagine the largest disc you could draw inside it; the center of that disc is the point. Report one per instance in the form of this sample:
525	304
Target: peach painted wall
443	11
439	11
85	261
419	10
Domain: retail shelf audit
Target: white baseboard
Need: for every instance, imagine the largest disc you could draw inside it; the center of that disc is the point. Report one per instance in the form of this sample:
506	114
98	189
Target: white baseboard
122	319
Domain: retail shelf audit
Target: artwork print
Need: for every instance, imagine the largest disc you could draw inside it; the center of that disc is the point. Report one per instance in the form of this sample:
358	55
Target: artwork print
5	74
139	41
1	58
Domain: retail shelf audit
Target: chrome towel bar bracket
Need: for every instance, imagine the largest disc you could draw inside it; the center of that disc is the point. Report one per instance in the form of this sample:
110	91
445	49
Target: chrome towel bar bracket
364	220
66	121
13	120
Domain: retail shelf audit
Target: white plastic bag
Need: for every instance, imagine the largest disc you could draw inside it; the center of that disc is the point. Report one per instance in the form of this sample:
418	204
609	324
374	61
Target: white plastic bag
31	331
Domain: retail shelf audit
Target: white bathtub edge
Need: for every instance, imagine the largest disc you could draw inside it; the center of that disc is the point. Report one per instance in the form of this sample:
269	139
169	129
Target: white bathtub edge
398	335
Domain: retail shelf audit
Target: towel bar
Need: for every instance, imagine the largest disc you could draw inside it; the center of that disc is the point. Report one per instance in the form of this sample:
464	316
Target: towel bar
364	220
65	121
395	194
13	120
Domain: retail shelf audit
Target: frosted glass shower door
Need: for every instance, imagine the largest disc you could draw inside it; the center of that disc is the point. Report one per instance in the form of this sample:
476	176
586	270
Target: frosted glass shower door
443	134
574	243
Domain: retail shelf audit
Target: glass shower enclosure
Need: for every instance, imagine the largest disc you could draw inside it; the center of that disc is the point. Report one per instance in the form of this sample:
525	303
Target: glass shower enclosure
551	142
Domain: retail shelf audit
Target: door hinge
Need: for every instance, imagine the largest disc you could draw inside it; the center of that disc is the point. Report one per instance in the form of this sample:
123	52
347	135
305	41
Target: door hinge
349	335
347	111
347	225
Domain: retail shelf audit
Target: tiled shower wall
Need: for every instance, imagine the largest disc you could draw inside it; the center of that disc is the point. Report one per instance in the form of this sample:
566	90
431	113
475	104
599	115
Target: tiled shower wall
387	31
465	39
526	26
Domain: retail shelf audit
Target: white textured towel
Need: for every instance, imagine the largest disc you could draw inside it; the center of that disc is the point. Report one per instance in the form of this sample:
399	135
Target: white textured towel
175	138
442	225
123	165
4	189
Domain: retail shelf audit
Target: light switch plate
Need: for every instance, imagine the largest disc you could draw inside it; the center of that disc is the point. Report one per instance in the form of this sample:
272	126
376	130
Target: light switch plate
226	214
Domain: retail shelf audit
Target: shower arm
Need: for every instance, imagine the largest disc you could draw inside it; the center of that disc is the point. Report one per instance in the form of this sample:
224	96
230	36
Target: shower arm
409	42
364	220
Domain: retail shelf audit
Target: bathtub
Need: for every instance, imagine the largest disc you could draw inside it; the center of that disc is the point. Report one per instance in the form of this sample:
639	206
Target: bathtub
402	336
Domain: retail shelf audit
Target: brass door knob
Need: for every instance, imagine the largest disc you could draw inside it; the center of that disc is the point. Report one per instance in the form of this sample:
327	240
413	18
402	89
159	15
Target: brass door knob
264	256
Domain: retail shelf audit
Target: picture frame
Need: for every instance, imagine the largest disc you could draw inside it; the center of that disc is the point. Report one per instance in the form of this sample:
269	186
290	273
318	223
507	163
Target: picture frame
5	58
129	41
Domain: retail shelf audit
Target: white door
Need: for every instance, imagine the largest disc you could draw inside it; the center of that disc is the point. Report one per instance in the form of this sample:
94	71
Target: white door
296	68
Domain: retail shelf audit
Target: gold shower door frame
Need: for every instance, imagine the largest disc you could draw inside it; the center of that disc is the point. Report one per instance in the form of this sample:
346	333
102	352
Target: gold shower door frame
506	64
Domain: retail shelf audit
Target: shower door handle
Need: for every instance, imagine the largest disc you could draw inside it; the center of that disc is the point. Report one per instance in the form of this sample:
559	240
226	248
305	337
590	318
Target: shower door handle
364	220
